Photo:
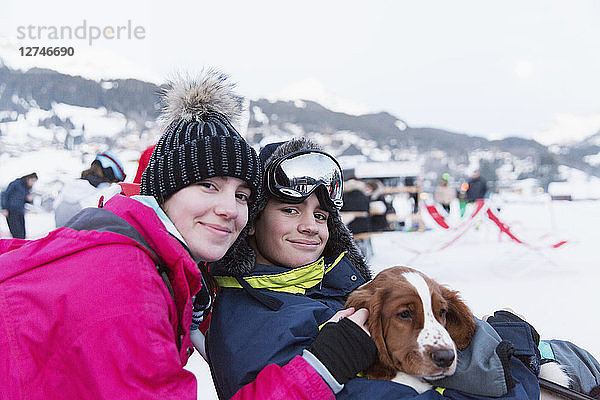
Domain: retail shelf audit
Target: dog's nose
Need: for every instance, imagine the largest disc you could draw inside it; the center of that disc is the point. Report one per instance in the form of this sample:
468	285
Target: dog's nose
443	358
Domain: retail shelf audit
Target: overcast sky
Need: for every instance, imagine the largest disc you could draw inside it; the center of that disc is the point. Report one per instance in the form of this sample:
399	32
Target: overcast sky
486	68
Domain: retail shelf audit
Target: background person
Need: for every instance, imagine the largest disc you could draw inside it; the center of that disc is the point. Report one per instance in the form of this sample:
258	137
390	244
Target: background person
414	188
14	198
477	187
86	191
355	213
444	193
379	207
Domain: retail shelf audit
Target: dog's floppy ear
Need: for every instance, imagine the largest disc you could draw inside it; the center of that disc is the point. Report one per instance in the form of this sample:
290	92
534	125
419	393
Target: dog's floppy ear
371	297
460	322
361	297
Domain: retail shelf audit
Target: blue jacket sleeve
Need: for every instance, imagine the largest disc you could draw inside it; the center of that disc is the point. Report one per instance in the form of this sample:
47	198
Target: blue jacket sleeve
480	369
526	386
580	365
16	194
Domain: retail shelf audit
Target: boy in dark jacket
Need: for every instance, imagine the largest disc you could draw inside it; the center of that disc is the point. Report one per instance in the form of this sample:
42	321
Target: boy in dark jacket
298	267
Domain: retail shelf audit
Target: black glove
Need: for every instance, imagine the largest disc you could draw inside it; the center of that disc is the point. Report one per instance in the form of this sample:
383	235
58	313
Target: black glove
344	349
507	316
505	350
531	356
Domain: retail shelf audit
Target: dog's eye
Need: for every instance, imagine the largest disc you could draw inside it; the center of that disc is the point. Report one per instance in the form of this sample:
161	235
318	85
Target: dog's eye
443	313
404	314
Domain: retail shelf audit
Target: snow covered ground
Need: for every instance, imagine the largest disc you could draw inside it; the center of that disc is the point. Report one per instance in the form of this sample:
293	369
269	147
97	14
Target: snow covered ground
555	289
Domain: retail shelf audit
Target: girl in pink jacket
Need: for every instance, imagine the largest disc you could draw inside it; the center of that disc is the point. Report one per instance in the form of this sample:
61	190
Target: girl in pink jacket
102	308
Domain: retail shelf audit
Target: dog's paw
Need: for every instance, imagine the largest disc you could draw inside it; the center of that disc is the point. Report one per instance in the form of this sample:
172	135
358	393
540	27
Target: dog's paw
416	383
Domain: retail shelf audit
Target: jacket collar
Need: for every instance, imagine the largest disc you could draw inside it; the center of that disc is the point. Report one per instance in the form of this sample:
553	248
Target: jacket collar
298	280
151	202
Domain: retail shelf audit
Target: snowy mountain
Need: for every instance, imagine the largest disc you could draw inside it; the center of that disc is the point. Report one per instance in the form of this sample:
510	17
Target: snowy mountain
383	137
584	155
42	108
578	127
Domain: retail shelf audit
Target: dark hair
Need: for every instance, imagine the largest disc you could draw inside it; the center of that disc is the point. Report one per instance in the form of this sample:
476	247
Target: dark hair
24	179
96	170
109	175
211	282
28	176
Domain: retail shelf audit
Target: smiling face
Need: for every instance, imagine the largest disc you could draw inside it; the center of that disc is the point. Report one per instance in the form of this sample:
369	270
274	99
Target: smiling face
290	235
210	215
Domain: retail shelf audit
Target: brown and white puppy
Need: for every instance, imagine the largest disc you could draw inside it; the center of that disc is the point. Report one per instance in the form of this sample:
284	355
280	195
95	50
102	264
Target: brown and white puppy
417	325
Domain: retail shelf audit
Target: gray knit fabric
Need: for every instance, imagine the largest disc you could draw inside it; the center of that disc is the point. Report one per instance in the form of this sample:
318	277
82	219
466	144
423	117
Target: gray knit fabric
189	152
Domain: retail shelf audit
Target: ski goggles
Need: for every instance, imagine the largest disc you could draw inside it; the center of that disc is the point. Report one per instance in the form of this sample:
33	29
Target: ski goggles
294	177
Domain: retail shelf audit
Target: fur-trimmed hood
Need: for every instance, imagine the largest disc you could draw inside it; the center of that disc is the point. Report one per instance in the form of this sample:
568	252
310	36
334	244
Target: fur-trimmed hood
240	258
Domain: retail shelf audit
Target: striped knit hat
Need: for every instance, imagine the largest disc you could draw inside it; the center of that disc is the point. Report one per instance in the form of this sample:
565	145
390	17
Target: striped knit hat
200	141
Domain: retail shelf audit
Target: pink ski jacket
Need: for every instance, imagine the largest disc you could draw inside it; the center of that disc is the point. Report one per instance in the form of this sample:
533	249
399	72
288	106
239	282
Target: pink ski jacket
84	314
